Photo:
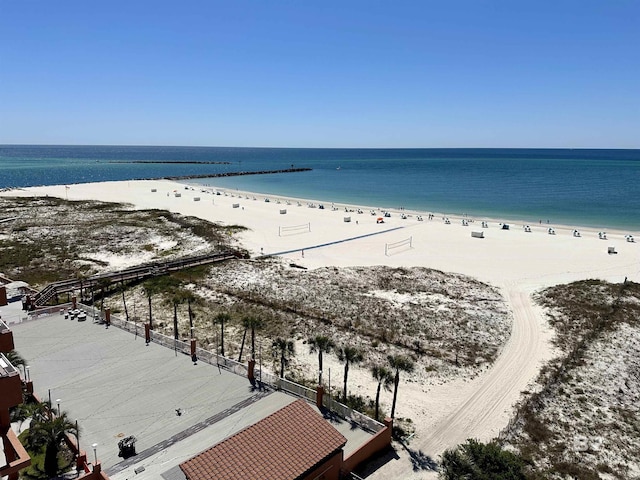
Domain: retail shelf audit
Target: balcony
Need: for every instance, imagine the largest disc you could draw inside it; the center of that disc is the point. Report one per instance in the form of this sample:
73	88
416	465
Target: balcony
10	384
6	338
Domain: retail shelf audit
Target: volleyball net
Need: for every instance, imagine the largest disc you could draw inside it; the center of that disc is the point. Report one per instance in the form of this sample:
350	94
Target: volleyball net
396	247
294	229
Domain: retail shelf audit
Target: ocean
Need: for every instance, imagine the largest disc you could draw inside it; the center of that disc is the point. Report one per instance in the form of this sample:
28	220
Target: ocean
593	188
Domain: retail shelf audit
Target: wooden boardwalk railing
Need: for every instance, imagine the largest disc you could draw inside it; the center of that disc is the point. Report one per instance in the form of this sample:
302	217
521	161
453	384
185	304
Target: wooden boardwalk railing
134	273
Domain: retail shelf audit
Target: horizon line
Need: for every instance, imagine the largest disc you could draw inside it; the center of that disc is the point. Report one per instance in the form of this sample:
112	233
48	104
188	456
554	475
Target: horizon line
304	148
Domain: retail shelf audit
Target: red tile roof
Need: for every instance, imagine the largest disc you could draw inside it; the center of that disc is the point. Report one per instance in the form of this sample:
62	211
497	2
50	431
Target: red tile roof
284	445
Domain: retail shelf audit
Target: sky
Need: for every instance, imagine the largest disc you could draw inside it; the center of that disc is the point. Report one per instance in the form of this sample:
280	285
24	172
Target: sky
303	73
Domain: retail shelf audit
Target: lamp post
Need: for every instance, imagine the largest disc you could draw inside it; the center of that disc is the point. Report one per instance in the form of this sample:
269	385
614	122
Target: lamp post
95	452
58	403
77	438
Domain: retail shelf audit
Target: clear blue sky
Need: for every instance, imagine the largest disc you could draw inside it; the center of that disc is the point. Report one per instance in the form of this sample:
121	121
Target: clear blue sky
324	73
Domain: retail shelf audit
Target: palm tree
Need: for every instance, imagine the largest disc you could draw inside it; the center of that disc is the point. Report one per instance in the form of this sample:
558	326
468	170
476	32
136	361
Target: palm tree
253	323
245	324
221	318
348	355
51	433
175	300
190	298
398	363
157	285
384	377
256	323
284	349
123	288
81	277
150	290
15	358
103	283
321	344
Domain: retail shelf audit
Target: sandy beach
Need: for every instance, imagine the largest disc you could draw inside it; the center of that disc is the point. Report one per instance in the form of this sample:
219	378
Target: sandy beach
519	261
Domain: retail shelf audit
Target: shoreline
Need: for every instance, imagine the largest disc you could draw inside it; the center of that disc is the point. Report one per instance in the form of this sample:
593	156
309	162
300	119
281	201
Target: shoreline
535	256
415	213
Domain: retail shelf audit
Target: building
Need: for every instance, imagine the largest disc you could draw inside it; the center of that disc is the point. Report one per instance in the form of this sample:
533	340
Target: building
15	456
295	442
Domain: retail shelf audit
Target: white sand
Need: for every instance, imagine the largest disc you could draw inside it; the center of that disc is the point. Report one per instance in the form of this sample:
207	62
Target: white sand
518	262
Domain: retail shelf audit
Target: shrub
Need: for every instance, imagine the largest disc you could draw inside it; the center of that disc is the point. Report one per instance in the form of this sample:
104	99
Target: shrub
481	461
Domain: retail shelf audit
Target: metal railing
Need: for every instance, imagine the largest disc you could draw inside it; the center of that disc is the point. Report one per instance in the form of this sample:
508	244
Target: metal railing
6	366
49	311
264	377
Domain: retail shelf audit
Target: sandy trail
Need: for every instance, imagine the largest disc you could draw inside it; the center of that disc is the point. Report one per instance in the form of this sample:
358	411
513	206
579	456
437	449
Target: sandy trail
480	408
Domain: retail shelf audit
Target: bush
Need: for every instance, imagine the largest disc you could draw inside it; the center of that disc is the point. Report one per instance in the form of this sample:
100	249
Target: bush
481	461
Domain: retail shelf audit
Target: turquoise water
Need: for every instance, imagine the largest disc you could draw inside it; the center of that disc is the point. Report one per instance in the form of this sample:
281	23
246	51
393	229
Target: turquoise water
599	188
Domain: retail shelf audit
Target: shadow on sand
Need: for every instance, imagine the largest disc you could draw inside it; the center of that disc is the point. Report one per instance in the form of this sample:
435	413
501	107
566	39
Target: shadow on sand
420	460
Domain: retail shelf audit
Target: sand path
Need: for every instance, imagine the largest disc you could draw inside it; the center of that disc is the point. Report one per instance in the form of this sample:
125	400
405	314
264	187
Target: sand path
480	408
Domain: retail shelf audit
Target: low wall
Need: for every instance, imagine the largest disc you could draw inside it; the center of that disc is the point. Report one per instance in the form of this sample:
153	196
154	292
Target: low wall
379	442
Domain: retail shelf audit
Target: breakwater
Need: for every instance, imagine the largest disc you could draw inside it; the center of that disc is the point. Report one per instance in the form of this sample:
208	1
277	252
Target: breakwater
235	174
170	162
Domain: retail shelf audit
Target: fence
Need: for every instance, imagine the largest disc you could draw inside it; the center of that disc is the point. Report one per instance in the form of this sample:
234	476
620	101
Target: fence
39	313
241	369
352	415
297	389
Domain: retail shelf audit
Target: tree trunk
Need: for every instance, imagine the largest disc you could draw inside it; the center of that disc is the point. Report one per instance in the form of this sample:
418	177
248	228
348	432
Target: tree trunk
282	360
346	372
253	343
378	400
244	336
126	312
51	460
150	317
222	336
175	321
396	381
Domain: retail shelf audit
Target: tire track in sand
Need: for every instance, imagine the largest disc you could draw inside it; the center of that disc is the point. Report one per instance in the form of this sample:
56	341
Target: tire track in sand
486	407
